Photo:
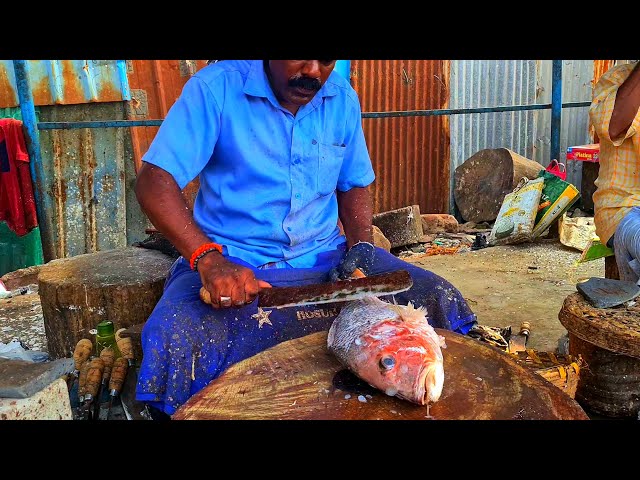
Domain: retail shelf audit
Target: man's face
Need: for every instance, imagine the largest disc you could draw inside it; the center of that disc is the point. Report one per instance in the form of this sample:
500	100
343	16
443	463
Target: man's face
295	82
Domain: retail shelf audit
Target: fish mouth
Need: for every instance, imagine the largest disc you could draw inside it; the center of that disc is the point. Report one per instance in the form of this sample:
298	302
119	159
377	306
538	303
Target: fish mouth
430	383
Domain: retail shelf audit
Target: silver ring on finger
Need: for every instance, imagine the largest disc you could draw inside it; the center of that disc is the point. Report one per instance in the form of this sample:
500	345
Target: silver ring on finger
225	300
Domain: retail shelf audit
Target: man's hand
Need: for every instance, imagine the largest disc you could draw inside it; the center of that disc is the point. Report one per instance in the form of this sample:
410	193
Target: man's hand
360	256
228	283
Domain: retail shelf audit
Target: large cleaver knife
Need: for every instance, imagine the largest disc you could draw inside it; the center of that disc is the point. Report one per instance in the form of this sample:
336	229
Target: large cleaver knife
330	292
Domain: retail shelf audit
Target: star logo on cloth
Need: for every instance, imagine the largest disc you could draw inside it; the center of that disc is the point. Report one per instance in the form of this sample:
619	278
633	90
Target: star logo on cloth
262	317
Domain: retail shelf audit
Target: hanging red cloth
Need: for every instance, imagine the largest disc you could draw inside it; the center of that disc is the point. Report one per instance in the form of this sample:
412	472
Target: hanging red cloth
17	204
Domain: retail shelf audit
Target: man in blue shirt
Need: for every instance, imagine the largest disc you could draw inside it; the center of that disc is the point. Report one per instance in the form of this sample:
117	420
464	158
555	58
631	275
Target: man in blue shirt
281	156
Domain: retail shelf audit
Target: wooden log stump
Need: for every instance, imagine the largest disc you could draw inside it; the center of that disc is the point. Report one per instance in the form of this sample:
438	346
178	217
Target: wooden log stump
483	180
401	227
608	339
301	380
77	293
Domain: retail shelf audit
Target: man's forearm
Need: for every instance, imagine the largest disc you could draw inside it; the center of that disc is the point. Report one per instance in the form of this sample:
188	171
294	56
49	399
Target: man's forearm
355	208
162	201
626	105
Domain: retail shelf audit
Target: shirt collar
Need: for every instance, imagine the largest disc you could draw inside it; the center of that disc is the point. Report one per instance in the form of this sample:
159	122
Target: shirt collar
257	85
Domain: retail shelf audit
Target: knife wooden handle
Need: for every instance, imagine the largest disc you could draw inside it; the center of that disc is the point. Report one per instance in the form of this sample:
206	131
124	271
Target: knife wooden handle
125	345
117	375
357	273
82	352
205	296
108	356
94	376
82	380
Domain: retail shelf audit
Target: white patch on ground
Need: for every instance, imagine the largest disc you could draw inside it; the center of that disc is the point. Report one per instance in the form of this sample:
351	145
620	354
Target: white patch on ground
21	319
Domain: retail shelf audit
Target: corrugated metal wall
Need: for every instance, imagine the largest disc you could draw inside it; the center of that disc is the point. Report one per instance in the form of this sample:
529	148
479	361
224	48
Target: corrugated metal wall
490	83
67	82
155	86
89	174
410	155
577	78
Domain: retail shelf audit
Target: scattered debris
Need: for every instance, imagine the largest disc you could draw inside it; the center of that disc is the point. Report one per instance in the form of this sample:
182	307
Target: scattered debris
479	242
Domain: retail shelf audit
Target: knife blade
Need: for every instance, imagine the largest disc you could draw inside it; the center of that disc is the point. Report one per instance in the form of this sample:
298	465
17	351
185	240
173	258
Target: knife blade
331	292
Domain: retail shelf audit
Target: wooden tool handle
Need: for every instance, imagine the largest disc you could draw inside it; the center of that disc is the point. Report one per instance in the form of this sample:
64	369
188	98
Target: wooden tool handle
108	356
525	328
82	380
124	344
119	333
357	273
82	352
205	296
118	373
94	376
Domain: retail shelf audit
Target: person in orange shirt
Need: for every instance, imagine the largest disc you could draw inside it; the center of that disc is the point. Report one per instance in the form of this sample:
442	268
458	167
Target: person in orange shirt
615	115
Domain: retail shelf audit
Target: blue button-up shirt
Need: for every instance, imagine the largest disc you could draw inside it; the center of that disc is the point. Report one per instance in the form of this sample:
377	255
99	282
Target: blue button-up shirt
268	179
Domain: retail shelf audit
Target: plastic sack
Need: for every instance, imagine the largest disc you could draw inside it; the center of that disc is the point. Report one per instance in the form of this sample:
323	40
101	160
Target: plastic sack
557	169
14	350
559	197
517	214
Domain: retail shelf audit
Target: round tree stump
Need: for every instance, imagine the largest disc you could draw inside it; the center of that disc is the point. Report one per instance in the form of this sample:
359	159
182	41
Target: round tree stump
608	339
77	293
301	379
483	180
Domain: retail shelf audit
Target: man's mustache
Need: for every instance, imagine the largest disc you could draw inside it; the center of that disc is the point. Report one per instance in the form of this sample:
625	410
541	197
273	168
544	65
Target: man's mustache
306	83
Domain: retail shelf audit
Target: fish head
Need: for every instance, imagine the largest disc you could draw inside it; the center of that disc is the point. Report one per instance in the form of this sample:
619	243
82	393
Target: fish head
402	361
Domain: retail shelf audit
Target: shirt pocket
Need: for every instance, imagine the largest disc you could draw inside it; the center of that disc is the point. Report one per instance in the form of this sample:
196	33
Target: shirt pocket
330	159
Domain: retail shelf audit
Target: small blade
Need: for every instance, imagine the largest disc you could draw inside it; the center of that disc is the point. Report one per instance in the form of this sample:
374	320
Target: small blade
607	292
340	291
109	407
132	408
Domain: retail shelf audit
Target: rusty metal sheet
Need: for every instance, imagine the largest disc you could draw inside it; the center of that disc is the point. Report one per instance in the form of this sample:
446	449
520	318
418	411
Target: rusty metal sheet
89	177
67	82
155	86
410	155
300	379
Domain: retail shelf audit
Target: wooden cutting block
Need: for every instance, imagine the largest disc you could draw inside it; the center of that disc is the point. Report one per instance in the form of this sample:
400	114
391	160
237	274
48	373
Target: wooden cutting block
301	379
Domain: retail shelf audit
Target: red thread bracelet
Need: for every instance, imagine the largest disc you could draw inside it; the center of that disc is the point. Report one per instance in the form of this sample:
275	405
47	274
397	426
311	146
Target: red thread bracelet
204	248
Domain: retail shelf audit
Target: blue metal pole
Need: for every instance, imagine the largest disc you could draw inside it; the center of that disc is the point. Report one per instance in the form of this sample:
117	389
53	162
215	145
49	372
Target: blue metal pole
556	108
405	113
99	124
44	202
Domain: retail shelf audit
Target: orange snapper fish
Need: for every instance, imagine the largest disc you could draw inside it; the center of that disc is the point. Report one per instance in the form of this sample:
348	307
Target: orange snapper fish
391	347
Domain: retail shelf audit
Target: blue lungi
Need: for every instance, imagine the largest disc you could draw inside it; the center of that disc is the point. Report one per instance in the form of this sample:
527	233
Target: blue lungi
187	343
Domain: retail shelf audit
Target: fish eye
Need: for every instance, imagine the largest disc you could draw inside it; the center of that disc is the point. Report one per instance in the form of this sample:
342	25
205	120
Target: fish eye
387	363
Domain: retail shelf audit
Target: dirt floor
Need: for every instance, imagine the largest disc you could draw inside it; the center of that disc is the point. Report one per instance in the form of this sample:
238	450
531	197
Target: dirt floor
21	319
507	285
504	286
